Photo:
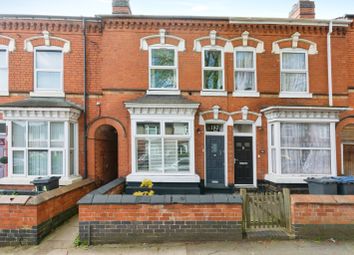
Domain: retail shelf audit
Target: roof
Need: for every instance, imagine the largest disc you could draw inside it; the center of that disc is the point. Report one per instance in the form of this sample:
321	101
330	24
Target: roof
240	20
155	100
237	20
35	102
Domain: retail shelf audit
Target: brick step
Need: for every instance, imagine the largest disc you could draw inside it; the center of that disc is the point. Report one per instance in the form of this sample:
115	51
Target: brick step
269	234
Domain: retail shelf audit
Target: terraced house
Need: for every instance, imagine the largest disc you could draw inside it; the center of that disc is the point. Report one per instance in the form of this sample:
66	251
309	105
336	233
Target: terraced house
188	102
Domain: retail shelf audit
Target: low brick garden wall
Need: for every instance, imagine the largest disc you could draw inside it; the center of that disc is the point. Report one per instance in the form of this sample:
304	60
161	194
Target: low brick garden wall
323	216
26	220
107	219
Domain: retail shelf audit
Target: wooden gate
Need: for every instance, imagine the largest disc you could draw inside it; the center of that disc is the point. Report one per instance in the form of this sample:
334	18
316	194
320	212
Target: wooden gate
270	210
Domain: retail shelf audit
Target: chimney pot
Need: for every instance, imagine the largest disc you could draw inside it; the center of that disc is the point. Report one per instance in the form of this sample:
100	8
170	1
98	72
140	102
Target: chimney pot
304	9
121	7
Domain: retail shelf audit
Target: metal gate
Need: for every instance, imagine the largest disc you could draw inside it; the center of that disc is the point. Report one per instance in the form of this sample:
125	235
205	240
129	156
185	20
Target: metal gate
270	210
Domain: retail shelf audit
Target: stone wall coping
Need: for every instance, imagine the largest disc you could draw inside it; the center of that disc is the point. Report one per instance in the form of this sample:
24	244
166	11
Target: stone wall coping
99	199
108	187
322	199
14	200
45	196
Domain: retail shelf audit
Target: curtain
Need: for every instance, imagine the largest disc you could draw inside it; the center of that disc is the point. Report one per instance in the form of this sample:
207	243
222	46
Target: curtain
162	57
18	134
37	134
57	162
38	163
18	162
155	155
245	81
213	79
57	134
306	148
163	78
293	77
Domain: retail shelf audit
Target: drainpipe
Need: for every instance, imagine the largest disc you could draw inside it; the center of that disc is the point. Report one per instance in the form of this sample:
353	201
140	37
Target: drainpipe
85	95
329	61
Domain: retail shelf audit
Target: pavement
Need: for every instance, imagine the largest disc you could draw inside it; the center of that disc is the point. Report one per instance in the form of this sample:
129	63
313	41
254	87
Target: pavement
61	242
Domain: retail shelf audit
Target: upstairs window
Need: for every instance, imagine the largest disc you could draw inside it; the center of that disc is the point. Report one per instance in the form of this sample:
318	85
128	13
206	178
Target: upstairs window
4	71
49	70
163	68
245	70
213	69
294	72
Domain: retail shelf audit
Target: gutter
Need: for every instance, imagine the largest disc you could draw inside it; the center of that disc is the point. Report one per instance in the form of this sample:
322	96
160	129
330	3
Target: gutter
85	94
329	62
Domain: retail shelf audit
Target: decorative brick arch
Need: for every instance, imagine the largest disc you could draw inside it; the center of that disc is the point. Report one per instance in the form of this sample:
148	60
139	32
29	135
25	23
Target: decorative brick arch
9	42
295	42
123	146
230	118
46	40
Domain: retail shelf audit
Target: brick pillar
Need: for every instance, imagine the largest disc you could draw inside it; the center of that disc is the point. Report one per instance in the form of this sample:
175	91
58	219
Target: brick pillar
304	9
121	7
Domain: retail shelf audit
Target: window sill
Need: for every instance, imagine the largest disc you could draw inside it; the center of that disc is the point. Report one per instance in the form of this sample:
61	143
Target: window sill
246	94
213	93
4	93
169	178
291	179
64	181
163	92
47	94
295	95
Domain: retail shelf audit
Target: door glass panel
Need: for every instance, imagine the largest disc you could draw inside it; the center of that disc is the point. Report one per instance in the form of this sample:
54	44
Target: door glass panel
214	148
243	128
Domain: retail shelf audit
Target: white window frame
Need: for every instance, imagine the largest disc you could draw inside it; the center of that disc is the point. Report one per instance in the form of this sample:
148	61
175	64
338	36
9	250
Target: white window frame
276	175
164	91
47	92
4	88
290	94
65	149
162	136
246	93
214	92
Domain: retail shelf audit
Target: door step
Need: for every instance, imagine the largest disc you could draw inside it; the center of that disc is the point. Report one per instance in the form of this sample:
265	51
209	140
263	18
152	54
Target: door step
269	234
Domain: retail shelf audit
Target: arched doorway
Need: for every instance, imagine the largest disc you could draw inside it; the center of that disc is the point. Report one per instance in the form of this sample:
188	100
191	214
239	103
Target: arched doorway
347	136
106	154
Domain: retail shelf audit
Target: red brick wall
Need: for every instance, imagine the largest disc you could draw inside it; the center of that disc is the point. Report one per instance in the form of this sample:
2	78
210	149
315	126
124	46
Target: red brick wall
32	214
175	212
314	209
118	72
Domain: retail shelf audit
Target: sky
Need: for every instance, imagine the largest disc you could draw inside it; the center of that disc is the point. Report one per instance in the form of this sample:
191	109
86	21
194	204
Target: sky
325	9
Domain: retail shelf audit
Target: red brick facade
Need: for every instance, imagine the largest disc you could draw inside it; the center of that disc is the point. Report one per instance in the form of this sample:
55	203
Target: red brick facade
118	71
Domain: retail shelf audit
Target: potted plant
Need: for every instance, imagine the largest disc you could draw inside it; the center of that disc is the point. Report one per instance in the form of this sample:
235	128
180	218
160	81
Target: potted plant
3	160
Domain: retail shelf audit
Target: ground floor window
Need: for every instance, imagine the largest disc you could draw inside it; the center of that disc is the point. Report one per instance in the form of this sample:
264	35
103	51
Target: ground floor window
41	148
300	148
163	147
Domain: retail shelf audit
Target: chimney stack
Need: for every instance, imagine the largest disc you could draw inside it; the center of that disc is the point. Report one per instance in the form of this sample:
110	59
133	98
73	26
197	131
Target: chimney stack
121	7
304	9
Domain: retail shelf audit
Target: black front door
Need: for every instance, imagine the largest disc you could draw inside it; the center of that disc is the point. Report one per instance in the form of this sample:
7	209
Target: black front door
243	160
215	161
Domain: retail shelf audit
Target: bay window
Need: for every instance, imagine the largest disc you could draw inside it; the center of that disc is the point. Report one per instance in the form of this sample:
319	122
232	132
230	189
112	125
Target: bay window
4	71
163	68
163	147
300	149
245	70
294	73
40	148
213	69
48	69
